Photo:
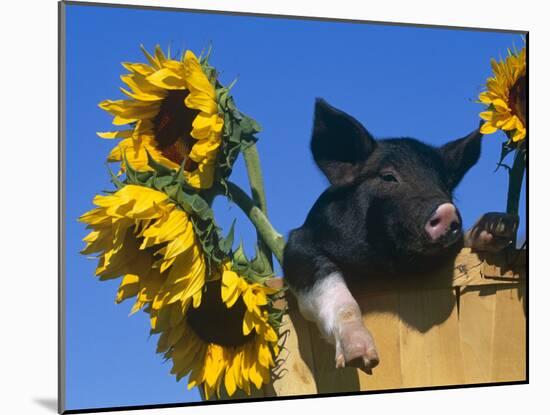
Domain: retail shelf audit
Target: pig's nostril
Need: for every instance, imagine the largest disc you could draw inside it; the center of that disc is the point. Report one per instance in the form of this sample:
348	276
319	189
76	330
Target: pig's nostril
434	222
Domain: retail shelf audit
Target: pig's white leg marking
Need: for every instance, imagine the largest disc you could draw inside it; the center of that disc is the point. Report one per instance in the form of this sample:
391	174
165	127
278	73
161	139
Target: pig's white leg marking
330	304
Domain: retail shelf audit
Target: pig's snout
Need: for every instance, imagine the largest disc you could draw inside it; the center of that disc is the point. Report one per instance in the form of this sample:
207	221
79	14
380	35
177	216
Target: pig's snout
445	221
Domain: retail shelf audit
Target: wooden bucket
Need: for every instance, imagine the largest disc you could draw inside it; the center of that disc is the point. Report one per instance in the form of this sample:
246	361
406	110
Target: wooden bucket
464	325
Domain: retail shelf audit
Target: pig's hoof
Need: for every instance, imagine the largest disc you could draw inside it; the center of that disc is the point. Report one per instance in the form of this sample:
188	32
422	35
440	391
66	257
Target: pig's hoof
493	232
356	348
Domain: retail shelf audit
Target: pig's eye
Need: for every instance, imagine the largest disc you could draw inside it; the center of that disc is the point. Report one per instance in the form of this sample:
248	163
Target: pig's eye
388	177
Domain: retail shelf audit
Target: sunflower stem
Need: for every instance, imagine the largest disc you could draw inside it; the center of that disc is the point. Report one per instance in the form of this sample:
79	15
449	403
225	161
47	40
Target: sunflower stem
255	178
273	239
515	179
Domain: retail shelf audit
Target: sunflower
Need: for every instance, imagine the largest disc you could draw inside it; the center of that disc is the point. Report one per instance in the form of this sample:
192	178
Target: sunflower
506	97
214	324
141	236
173	113
229	340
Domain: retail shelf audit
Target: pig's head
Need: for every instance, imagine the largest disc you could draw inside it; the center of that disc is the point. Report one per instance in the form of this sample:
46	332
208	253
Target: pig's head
406	185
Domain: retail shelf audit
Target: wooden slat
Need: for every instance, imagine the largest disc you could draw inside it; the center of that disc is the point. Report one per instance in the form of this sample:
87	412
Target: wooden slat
443	338
384	327
415	357
476	324
509	347
296	374
328	378
430	339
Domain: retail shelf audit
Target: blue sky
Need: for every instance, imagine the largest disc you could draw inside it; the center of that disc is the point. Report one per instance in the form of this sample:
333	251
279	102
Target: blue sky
398	81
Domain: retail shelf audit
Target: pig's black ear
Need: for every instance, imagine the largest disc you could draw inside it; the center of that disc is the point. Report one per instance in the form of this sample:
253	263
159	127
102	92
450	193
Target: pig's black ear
339	143
460	155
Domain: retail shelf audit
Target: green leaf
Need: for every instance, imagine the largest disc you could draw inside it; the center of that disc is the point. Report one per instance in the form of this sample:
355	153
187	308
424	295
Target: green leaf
236	134
130	172
218	255
161	182
247	143
239	257
227	124
114	179
504	151
204	60
180	175
227	243
156	166
249	125
233	108
149	182
222	94
143	176
184	199
260	265
232	84
172	191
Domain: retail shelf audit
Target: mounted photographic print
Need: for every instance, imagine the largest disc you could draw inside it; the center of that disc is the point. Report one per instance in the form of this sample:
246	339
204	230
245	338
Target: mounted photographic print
261	207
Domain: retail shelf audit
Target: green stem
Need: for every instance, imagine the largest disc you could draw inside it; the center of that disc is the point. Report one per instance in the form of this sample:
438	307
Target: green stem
274	240
515	180
252	160
253	167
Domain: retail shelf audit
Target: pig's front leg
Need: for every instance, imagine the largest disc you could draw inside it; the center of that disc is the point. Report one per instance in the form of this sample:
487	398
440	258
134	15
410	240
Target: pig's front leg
493	232
330	304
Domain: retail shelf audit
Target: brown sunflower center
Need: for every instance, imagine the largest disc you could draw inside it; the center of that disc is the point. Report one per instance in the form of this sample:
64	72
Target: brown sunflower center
517	99
172	127
213	322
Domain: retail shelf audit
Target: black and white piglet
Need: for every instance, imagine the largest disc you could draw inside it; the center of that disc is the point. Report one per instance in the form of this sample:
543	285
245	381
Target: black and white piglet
388	211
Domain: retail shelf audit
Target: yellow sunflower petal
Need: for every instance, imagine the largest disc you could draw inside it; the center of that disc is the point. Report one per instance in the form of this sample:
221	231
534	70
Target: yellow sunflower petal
500	105
202	177
486	97
116	134
181	243
196	78
248	323
184	355
486	115
201	101
159	55
129	110
509	123
230	382
204	125
519	135
167	79
204	149
487	128
255	376
152	60
139	68
168	229
230	286
141	88
129	287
